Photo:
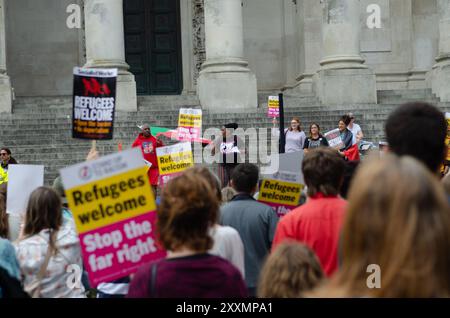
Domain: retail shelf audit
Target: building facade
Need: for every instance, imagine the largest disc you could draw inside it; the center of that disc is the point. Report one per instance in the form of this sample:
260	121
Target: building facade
227	51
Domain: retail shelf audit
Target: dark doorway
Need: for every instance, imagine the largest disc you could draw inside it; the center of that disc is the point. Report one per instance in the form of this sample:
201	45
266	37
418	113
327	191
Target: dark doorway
153	45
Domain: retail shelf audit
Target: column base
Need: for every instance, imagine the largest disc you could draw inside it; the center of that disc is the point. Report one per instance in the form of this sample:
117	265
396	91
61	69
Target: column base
344	86
440	77
304	85
417	79
5	94
343	62
126	97
227	90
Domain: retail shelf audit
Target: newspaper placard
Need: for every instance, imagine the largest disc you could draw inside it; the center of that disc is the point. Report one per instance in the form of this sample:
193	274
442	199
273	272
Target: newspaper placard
94	100
173	160
114	212
22	180
189	124
447	138
273	110
334	139
281	192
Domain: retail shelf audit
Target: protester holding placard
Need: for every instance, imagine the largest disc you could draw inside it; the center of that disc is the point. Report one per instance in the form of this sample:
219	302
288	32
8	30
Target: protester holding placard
47	247
345	133
315	138
318	222
148	145
188	209
295	137
229	149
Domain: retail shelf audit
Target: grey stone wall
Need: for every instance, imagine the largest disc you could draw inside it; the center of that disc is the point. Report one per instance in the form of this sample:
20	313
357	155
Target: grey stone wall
41	50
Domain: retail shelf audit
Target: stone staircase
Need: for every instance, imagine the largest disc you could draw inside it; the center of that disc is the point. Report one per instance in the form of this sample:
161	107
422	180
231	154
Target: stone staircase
39	130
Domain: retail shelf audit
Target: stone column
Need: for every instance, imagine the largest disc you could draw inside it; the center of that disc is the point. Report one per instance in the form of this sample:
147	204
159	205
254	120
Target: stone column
5	83
343	77
441	70
425	39
105	47
225	81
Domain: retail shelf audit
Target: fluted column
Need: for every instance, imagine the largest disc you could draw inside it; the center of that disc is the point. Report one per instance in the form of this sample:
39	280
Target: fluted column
105	47
441	70
225	81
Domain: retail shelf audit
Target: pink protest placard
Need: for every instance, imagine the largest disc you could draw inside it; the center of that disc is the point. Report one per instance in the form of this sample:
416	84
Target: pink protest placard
189	124
118	250
273	110
113	209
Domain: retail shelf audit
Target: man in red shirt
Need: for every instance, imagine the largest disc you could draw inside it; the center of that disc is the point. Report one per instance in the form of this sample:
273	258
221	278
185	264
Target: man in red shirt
318	222
148	145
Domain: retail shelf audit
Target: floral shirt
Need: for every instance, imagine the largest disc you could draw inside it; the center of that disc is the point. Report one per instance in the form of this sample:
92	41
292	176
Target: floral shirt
60	280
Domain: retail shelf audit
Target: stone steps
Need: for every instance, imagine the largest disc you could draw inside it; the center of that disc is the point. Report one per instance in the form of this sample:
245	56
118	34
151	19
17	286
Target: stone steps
39	130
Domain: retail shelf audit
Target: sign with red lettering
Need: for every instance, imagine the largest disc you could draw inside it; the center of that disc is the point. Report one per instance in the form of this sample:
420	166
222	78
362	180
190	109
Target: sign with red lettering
94	100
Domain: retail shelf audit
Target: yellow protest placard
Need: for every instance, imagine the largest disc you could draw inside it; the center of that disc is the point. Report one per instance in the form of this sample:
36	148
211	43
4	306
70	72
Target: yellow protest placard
185	120
280	192
273	107
111	200
175	162
115	214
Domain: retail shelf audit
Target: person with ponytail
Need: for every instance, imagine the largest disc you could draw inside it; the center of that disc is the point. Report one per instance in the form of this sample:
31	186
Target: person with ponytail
47	247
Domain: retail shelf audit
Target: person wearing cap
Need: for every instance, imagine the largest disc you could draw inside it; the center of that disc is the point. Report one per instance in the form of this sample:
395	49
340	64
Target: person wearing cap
355	129
148	145
230	147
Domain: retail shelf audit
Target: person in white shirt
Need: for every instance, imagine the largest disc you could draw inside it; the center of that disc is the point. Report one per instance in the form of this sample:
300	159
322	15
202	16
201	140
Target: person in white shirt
228	244
355	129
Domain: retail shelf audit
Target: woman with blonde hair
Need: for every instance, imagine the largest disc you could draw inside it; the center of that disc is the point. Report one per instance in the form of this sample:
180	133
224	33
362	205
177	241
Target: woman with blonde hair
396	236
290	271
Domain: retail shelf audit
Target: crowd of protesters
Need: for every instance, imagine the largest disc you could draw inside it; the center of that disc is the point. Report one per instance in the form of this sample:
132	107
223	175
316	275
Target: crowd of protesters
391	212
